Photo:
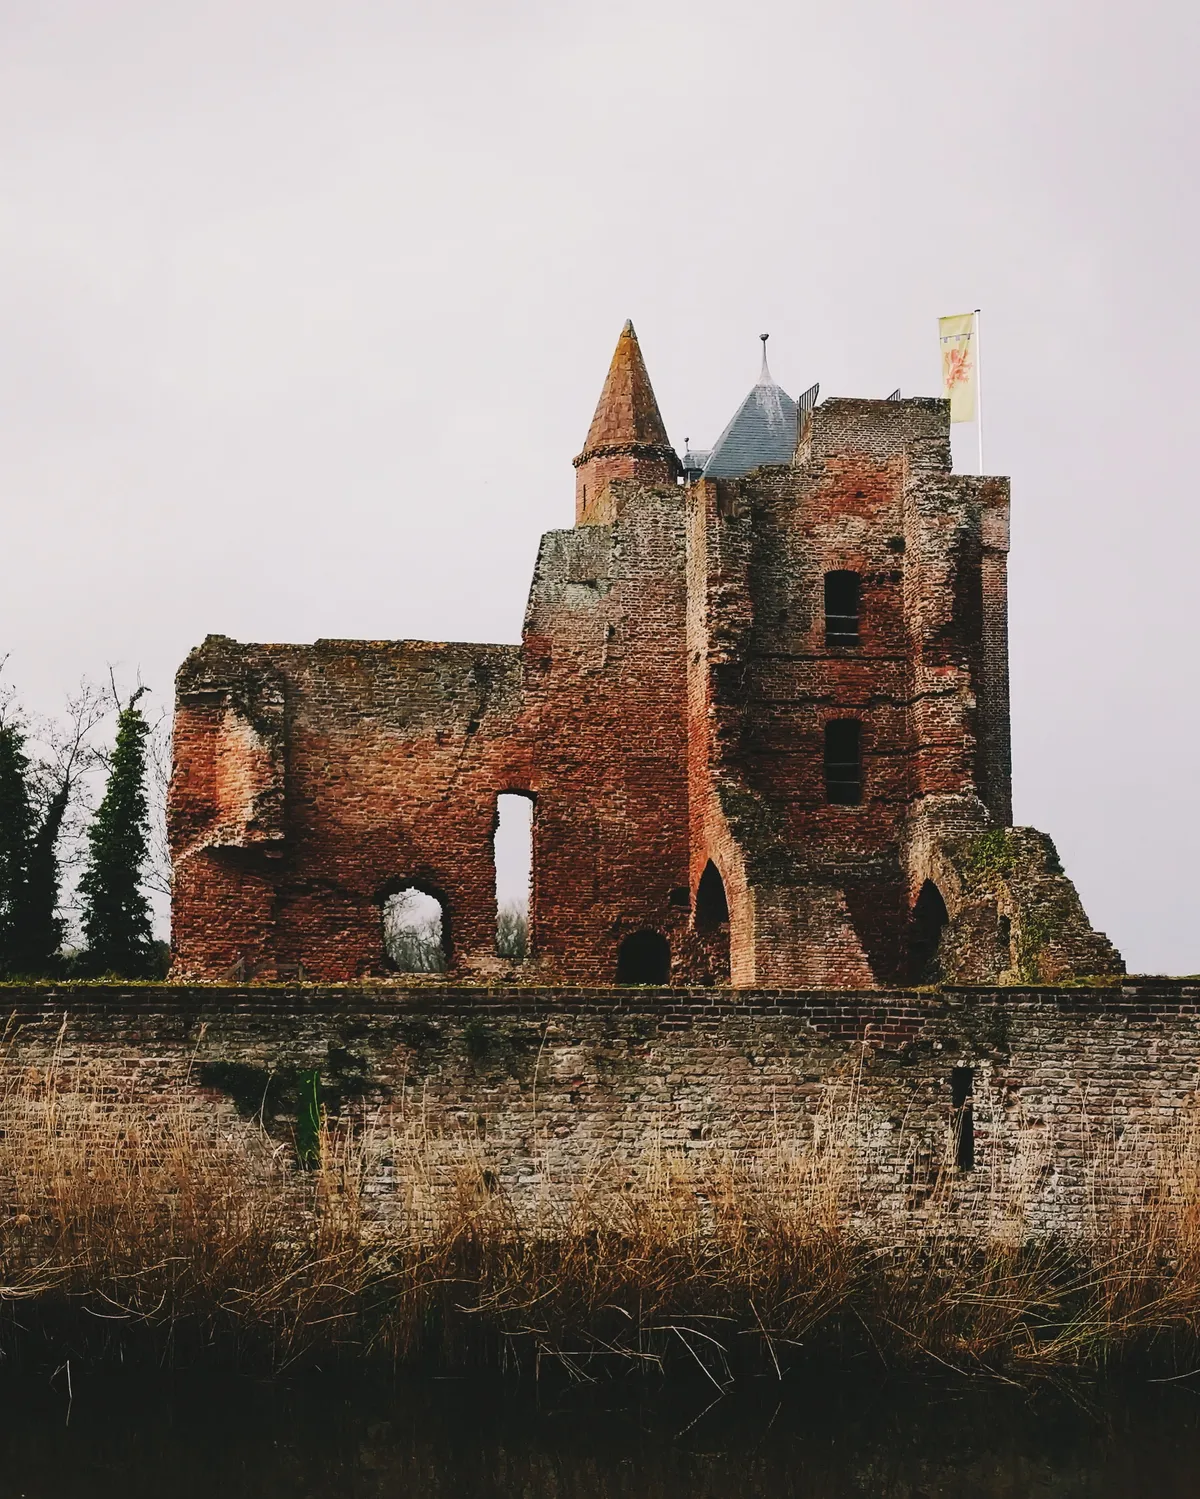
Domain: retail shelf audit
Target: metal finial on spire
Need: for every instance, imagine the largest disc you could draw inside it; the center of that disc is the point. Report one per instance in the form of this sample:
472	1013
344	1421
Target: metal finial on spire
764	377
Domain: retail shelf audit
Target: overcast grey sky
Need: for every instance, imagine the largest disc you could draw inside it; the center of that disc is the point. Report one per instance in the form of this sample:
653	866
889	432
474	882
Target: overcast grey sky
304	309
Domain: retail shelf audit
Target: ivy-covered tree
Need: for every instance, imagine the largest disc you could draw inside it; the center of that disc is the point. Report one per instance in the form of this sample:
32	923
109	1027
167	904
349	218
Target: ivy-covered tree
16	837
116	913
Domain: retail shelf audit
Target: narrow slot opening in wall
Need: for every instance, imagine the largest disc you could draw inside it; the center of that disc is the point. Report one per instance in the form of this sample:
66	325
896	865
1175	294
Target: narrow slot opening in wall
513	850
962	1088
842	607
843	762
1004	940
414	935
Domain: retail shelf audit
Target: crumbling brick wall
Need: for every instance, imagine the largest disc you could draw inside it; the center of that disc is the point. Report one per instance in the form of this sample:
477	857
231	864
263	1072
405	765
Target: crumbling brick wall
666	710
833	888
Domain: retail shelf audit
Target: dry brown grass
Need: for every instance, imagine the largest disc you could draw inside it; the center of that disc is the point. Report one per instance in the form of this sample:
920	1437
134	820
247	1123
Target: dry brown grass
158	1223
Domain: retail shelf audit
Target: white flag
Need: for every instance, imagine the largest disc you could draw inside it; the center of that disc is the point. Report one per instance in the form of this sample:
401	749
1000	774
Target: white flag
960	368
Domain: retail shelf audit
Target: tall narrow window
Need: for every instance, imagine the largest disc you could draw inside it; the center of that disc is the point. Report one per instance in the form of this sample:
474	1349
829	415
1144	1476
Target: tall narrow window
513	847
842	603
962	1088
843	762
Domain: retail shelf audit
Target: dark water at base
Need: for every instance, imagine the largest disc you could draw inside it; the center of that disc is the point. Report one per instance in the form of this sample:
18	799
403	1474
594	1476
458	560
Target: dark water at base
130	1437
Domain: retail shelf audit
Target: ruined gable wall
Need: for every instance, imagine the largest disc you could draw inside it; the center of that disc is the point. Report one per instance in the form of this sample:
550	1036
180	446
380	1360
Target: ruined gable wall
393	754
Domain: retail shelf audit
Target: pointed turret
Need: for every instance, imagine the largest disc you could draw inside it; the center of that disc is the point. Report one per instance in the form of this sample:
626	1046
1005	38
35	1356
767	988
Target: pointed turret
627	439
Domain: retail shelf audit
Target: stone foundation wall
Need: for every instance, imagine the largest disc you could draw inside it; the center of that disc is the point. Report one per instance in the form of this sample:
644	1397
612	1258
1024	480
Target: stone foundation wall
1075	1095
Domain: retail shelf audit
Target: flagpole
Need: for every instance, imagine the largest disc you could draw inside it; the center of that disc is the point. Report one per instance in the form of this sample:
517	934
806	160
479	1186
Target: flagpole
979	388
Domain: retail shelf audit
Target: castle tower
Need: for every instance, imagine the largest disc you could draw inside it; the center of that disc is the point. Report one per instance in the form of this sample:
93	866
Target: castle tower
627	439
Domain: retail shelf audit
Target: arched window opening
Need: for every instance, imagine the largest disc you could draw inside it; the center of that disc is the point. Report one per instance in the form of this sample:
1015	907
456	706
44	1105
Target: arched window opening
843	592
929	918
414	932
644	958
712	909
843	762
513	850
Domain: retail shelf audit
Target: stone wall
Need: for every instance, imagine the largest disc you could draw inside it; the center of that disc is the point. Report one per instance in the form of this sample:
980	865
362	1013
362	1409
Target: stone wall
1074	1094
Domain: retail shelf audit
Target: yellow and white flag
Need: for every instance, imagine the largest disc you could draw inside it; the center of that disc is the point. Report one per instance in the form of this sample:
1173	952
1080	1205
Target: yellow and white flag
960	365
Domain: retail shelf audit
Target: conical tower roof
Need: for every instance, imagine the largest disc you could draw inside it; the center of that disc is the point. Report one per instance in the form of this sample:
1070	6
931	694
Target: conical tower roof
627	415
763	430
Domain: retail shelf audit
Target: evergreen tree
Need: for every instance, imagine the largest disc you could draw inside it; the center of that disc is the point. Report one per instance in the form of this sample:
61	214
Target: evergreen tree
16	837
116	914
40	929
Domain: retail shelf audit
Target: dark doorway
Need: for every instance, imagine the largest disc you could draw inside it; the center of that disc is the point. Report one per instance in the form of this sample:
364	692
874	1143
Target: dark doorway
843	762
712	909
929	917
644	958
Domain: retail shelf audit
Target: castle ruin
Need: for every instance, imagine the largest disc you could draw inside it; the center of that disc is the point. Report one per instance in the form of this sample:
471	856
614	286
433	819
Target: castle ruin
760	707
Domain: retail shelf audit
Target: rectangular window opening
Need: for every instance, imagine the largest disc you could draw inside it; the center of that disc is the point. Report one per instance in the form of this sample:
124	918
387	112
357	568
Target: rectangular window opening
843	762
842	608
513	847
962	1088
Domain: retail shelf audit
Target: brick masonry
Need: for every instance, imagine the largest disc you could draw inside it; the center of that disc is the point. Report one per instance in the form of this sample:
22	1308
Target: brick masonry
666	711
1076	1094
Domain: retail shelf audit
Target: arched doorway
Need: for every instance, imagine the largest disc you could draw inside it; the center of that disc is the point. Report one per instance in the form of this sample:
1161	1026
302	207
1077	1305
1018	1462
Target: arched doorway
712	909
711	921
644	958
928	920
414	931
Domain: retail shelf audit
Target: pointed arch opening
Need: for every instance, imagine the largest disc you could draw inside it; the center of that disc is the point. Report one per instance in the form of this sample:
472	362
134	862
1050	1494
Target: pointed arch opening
711	922
644	958
712	908
926	925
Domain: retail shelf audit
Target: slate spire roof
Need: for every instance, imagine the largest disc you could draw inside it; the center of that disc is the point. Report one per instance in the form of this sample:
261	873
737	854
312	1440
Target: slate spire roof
627	416
763	430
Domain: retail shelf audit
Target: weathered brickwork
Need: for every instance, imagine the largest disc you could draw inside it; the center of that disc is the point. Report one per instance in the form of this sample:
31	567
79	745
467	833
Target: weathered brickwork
671	710
1074	1094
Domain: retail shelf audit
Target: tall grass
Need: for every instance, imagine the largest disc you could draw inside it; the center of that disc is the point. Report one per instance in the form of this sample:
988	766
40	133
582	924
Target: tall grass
143	1223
